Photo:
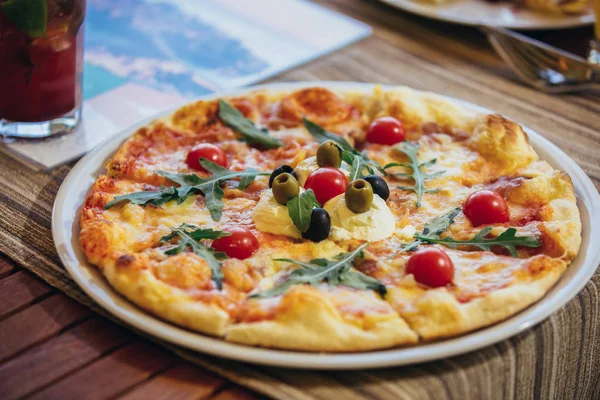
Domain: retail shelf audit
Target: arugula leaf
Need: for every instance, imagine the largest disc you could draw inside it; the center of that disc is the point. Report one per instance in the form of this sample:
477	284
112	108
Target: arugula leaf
245	181
183	180
29	16
439	225
358	165
189	237
349	153
157	198
210	186
192	184
196	234
417	173
321	135
300	209
213	196
507	240
431	230
336	272
251	134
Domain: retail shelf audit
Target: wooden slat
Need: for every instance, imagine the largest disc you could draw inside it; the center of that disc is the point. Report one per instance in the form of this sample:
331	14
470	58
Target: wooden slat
181	382
6	266
38	322
19	290
63	354
111	375
235	393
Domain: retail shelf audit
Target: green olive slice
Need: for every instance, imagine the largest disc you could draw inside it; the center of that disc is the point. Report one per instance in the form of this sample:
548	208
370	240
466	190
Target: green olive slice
359	196
285	187
329	154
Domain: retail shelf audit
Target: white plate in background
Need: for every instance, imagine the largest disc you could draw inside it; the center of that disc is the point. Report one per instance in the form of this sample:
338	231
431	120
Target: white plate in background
481	12
65	230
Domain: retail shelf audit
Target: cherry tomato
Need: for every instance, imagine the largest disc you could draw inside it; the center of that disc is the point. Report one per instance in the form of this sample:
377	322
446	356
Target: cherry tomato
486	207
431	267
326	182
386	130
208	151
241	244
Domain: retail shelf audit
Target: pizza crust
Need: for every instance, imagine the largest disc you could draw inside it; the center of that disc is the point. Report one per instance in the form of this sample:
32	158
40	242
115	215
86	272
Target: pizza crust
558	7
554	193
415	108
137	283
439	314
503	143
310	322
552	7
563	226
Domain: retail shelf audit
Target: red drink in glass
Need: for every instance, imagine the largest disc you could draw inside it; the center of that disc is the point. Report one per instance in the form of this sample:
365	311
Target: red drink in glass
41	70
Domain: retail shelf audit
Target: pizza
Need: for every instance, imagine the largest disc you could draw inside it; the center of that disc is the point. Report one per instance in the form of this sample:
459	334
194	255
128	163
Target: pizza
322	220
556	7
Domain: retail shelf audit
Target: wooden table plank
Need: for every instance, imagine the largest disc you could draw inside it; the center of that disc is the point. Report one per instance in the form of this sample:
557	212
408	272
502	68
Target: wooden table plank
57	365
59	356
235	393
38	322
112	375
180	382
19	290
6	266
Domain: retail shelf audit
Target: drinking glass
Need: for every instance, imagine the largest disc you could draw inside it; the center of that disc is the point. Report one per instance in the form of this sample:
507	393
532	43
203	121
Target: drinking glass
41	61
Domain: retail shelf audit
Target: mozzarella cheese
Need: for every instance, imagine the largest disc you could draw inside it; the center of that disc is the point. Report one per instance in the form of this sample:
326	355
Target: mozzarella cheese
376	224
307	166
405	234
271	217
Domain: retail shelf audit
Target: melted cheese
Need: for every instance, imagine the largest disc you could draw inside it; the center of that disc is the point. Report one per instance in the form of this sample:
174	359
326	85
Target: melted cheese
145	225
462	175
476	274
405	234
272	217
376	224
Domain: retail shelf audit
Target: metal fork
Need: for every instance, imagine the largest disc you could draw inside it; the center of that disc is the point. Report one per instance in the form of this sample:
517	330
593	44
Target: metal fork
594	54
542	66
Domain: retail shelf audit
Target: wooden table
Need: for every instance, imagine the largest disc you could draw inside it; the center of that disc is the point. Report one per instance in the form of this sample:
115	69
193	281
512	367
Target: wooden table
52	347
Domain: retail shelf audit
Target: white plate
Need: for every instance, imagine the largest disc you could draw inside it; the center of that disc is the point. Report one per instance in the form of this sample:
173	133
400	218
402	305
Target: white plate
65	228
481	12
